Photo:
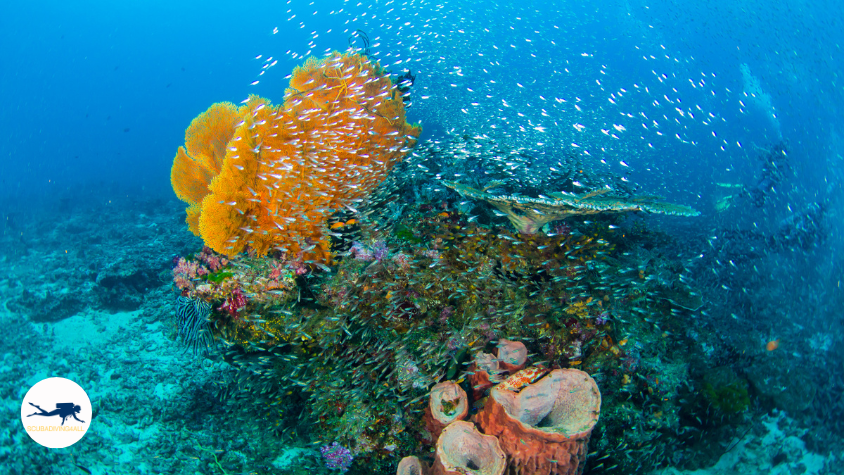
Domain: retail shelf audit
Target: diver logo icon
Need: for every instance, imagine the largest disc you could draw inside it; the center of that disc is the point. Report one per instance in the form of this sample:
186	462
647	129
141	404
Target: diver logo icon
60	427
63	409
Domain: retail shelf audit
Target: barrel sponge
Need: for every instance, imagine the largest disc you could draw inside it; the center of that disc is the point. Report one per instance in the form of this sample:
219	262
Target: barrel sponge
412	466
448	402
461	449
512	355
544	429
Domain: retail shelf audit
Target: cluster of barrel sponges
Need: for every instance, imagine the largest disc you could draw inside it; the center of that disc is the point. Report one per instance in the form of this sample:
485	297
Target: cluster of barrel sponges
264	177
535	422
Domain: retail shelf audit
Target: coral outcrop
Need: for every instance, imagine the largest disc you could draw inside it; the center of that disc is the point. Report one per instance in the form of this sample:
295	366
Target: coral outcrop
286	168
544	429
461	449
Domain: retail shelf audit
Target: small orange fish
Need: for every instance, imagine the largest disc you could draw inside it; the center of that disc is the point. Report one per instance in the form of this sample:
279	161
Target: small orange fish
773	345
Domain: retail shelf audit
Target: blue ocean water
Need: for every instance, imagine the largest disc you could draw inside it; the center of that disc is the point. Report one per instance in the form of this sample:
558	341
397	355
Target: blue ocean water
730	108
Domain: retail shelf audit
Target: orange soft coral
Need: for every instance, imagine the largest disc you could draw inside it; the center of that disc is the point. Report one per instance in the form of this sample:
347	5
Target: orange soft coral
200	160
286	168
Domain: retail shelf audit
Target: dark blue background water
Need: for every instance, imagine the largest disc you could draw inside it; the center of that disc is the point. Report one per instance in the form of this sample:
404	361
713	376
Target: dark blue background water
98	92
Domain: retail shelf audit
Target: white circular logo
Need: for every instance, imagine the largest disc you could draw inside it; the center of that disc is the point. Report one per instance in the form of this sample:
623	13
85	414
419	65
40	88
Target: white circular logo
56	412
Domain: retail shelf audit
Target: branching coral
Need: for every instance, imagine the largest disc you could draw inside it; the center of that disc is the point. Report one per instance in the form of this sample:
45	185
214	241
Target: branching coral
530	214
286	168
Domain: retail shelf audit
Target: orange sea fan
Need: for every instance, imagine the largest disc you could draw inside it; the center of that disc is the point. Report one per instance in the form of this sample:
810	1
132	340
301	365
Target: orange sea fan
286	168
201	159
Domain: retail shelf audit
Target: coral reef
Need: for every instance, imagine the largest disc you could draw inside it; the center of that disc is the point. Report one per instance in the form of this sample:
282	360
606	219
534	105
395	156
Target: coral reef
338	330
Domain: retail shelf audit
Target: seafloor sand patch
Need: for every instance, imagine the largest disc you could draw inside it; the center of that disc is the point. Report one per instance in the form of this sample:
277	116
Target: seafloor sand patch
91	328
145	391
774	449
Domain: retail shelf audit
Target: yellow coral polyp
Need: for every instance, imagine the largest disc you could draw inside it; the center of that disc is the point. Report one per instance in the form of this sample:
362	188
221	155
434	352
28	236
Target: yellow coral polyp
287	168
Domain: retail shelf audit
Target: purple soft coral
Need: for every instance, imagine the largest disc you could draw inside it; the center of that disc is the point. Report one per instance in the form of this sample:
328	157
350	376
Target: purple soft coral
337	457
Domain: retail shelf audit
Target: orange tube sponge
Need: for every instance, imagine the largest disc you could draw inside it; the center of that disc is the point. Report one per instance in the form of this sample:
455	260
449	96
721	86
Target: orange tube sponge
201	159
544	428
447	403
286	168
461	449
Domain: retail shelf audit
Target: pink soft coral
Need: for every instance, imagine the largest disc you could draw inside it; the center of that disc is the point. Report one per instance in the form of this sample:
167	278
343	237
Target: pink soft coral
185	272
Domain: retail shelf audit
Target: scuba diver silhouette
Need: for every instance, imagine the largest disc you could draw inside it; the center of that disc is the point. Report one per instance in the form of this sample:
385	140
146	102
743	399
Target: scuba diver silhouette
63	409
775	168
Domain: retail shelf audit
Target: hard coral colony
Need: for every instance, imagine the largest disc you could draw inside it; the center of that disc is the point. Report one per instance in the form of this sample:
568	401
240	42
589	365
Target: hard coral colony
428	333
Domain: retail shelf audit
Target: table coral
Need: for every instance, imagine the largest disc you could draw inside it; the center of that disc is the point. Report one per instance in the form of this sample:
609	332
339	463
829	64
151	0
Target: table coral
528	215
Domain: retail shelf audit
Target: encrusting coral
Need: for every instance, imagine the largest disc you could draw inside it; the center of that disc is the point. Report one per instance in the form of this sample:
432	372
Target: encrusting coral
528	215
544	428
287	168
